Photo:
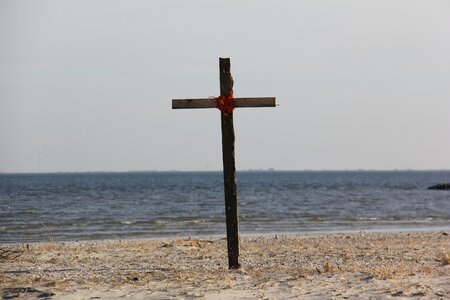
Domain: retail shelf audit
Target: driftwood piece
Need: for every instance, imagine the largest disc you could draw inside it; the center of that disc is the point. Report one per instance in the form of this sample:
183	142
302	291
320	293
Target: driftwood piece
9	254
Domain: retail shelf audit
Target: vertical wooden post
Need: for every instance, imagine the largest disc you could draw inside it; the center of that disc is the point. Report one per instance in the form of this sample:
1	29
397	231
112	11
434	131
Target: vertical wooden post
229	168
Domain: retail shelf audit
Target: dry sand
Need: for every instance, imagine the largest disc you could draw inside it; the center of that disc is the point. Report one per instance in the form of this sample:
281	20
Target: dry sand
337	266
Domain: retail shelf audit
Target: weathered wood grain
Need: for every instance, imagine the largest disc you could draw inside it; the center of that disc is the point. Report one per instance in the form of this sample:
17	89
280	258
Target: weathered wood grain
211	102
229	168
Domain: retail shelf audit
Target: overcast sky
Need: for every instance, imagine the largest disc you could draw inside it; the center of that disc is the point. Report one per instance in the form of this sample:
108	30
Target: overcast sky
361	84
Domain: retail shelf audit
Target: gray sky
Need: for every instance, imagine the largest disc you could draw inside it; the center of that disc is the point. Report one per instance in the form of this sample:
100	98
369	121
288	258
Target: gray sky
361	84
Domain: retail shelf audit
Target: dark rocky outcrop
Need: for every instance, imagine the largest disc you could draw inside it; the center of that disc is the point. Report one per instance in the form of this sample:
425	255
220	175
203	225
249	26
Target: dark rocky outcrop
441	186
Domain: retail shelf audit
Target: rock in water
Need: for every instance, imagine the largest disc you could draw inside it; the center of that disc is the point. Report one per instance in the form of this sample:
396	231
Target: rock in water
441	186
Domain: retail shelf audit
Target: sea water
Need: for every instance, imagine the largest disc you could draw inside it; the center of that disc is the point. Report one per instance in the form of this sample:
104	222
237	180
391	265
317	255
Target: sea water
92	206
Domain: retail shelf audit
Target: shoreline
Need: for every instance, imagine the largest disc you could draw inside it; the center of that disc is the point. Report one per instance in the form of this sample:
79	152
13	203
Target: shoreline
311	233
314	266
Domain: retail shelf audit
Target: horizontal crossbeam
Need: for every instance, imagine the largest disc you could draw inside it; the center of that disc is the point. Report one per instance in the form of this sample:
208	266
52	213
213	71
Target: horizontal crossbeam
211	102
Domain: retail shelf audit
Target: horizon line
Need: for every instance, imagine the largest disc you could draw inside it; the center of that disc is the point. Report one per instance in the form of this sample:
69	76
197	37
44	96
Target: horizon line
243	170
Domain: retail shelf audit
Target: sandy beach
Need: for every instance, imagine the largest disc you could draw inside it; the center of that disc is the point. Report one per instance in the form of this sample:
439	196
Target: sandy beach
335	266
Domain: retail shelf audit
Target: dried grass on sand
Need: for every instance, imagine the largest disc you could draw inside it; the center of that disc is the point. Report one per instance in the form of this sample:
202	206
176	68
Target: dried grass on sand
363	265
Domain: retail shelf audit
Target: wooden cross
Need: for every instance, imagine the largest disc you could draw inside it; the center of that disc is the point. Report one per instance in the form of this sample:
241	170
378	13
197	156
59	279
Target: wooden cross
229	169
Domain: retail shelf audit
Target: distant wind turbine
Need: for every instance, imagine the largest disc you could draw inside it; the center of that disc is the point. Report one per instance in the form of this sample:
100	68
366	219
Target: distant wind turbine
39	160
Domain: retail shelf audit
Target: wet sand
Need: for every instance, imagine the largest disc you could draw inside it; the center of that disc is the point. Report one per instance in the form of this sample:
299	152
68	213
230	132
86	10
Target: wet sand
335	266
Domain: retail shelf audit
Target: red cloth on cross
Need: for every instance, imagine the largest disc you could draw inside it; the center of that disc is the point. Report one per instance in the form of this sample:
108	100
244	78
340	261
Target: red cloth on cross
225	104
